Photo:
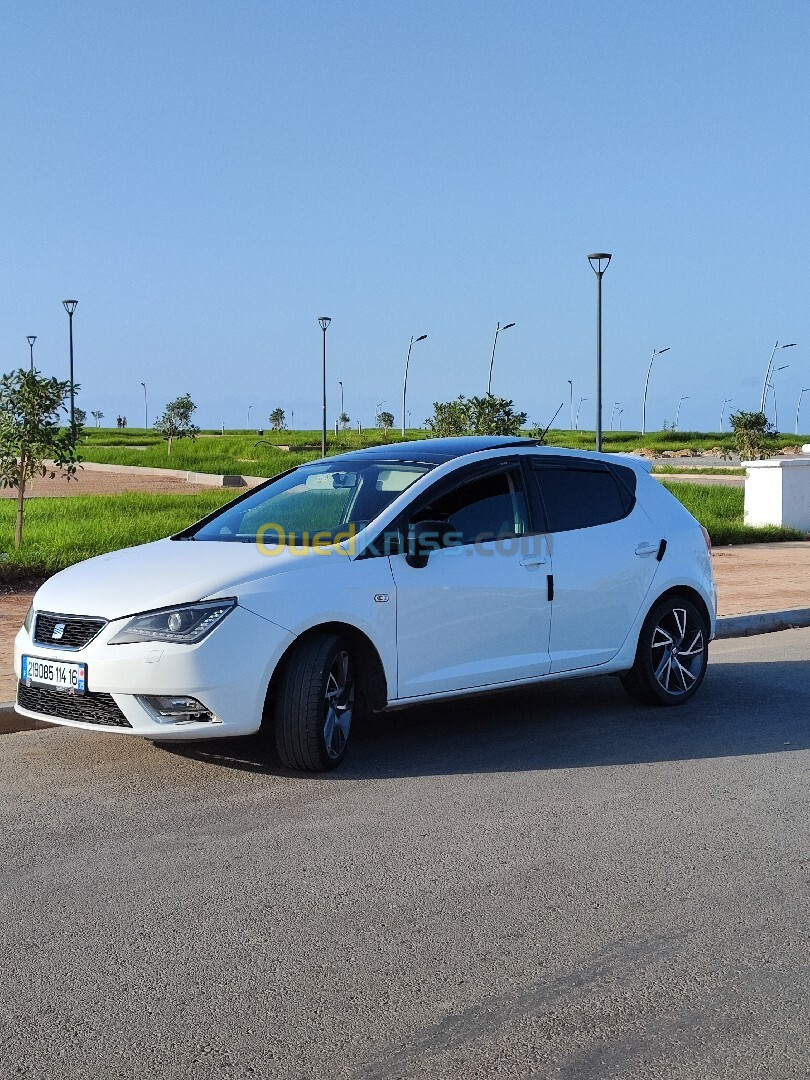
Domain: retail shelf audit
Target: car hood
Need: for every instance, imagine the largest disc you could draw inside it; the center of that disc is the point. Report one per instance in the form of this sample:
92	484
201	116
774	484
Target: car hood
159	575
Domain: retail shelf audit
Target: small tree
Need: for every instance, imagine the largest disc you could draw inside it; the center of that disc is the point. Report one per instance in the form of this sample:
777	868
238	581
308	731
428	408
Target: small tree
344	420
79	418
30	433
752	434
493	415
98	416
176	421
278	421
449	418
489	415
385	420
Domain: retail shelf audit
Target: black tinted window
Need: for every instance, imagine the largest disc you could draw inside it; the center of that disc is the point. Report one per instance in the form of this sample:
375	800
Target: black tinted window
486	508
581	496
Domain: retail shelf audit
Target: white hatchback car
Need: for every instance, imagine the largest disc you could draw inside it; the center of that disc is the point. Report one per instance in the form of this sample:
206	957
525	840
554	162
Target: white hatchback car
381	577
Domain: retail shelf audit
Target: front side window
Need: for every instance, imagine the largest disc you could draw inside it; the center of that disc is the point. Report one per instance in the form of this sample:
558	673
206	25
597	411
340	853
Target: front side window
323	499
582	495
489	507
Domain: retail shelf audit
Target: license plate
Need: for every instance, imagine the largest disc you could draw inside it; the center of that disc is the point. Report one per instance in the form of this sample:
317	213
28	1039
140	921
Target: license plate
58	674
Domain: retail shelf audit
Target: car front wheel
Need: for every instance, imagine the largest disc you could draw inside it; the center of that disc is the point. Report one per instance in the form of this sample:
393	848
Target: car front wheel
315	704
671	656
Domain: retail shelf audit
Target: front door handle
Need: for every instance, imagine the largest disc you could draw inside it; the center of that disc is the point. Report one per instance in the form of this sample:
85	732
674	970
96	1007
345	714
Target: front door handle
533	561
647	549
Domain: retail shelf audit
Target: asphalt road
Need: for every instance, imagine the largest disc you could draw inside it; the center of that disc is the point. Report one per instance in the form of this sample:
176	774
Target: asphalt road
555	883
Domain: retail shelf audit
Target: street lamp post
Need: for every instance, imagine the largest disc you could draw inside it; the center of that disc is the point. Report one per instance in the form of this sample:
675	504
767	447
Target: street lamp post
722	411
70	307
616	405
685	397
772	385
571	403
405	380
596	261
655	352
31	339
145	407
492	358
576	420
324	321
340	384
768	372
799	405
248	415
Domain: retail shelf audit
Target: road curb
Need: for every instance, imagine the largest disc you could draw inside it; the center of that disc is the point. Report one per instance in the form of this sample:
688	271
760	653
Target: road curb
728	626
763	622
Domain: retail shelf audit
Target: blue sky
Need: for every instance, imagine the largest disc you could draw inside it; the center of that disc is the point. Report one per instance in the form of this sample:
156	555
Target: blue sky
209	178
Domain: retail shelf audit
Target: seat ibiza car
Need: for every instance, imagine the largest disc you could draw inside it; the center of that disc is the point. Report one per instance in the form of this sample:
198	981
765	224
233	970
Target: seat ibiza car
385	576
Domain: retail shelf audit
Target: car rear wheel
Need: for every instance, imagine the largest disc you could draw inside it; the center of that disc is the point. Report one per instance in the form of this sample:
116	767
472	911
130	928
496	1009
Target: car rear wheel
315	704
671	656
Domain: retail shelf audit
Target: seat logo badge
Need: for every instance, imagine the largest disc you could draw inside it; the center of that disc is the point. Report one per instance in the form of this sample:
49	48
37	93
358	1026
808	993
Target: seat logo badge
381	598
58	632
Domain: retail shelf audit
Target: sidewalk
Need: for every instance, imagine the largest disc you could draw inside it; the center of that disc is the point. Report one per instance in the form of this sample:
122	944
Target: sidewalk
761	587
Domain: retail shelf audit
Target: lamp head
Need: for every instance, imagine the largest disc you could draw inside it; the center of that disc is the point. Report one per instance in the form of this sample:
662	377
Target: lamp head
324	320
597	259
31	339
70	306
421	337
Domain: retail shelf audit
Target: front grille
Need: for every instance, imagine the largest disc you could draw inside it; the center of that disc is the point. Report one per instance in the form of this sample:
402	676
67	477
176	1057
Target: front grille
89	708
76	633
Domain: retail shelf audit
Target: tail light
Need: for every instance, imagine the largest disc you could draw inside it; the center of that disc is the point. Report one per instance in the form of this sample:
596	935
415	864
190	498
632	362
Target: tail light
707	538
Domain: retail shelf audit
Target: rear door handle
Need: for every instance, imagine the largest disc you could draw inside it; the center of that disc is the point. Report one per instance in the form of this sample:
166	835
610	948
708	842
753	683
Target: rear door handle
647	549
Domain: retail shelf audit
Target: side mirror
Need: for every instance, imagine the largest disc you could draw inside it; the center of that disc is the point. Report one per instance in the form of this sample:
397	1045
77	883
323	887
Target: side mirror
425	537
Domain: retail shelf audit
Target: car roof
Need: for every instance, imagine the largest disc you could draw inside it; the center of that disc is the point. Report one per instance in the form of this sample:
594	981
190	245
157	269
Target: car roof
440	451
436	451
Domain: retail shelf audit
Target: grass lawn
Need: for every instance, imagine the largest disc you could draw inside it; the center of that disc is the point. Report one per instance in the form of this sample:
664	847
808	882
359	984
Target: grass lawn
720	510
240	453
59	532
250	454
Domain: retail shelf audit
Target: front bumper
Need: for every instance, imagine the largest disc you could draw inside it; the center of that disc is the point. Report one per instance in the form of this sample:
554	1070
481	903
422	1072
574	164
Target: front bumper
228	673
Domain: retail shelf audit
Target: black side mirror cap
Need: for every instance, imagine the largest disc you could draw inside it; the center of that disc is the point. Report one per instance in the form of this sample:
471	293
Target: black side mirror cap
428	536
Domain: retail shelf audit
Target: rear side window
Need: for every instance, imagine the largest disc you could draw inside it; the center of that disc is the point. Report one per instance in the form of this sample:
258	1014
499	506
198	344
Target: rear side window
584	494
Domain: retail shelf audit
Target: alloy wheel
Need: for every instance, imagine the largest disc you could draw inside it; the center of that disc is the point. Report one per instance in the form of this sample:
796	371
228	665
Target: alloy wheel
677	650
339	704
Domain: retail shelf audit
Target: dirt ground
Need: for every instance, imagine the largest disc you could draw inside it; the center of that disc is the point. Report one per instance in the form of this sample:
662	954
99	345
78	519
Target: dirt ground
750	578
89	482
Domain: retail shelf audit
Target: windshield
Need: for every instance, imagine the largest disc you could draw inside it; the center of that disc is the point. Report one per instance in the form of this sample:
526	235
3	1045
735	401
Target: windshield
327	499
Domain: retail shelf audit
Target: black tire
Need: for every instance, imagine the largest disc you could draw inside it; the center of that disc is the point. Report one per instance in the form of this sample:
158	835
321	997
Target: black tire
671	655
315	704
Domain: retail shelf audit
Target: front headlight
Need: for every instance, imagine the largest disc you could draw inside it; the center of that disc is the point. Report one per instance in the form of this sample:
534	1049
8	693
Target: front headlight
29	621
186	624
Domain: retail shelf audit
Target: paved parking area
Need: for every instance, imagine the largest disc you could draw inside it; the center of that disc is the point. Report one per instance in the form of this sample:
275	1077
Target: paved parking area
555	883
